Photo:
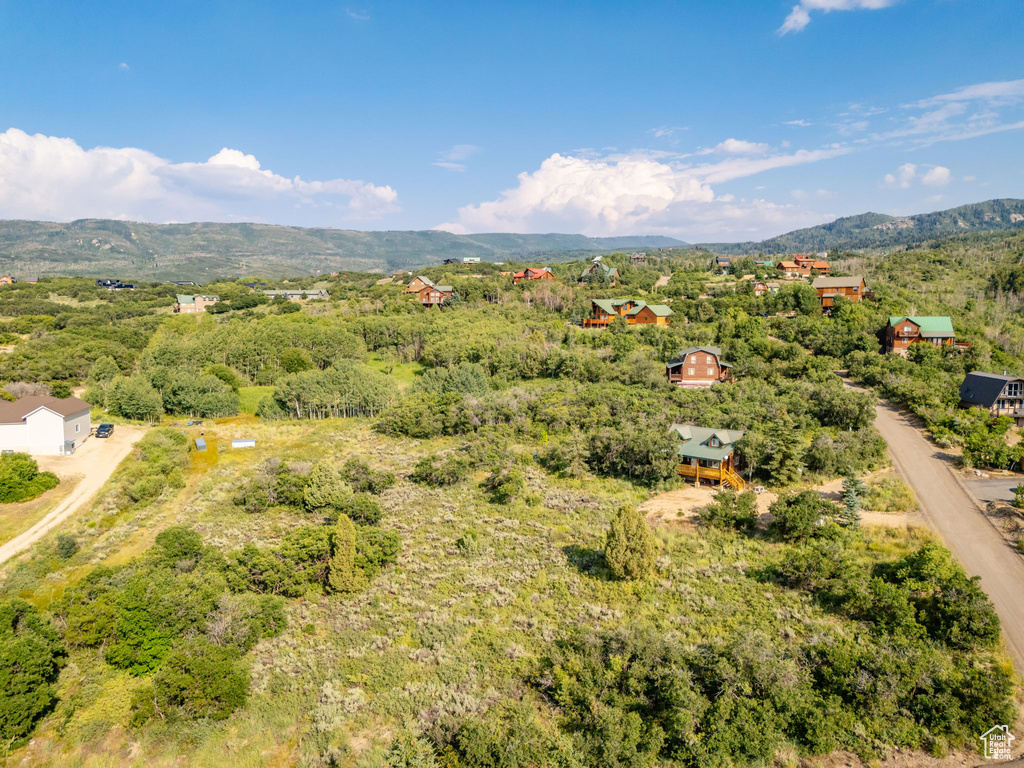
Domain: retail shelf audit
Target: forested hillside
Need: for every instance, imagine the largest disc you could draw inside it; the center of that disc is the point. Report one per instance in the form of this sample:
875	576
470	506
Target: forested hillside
878	230
205	251
436	555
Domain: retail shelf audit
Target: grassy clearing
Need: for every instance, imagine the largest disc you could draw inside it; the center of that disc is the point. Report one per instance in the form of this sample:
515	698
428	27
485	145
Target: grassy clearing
890	493
20	516
404	374
250	397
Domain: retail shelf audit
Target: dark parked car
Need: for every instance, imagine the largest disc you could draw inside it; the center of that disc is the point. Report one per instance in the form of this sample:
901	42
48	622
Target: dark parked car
104	430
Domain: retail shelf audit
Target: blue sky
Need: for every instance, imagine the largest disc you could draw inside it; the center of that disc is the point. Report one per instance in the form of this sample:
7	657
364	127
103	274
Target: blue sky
722	120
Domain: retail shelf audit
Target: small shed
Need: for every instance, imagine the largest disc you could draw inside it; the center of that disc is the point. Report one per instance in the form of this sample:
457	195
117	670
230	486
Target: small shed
200	444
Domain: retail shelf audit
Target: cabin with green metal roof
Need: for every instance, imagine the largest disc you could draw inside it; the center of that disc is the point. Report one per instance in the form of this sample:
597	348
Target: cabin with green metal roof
708	455
902	331
636	312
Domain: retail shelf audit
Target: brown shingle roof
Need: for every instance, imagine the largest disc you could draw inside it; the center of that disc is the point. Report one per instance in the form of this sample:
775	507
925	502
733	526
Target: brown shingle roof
12	413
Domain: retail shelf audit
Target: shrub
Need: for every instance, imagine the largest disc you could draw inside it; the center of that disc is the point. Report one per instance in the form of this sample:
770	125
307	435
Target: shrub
31	657
432	470
201	680
361	508
363	479
731	510
375	549
796	517
325	490
66	546
21	480
630	548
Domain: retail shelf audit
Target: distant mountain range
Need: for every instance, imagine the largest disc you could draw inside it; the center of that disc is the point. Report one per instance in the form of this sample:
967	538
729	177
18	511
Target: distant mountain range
204	251
201	252
877	230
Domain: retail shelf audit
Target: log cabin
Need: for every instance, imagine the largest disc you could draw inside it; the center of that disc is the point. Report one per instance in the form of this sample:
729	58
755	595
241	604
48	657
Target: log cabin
636	312
598	272
417	284
532	273
709	455
901	332
434	295
698	367
828	288
1000	395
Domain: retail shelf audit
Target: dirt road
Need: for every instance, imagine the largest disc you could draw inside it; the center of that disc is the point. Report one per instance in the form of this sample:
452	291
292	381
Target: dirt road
954	515
94	462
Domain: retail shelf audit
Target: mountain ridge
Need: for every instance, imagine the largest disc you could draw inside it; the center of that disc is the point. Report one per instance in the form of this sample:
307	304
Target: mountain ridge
203	251
881	230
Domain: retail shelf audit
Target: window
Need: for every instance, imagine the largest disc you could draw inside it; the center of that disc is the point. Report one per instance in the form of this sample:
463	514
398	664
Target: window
78	428
711	371
714	442
693	359
1013	389
710	360
690	371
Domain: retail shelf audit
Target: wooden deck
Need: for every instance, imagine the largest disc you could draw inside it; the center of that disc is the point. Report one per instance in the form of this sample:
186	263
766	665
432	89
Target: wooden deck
723	476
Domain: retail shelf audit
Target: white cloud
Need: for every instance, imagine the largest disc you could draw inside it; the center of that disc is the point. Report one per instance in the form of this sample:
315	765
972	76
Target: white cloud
357	14
907	174
966	113
738	147
903	177
46	177
1000	92
799	123
453	158
638	194
800	16
939	176
798	194
123	67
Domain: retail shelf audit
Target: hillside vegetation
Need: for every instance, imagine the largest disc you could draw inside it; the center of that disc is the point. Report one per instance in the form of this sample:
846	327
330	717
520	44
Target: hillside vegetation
879	230
433	556
204	251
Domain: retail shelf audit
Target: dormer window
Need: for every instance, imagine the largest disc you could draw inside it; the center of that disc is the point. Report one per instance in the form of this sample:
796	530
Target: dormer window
714	442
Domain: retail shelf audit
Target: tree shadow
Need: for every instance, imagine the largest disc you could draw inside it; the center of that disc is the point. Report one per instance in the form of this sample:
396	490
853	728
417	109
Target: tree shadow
587	561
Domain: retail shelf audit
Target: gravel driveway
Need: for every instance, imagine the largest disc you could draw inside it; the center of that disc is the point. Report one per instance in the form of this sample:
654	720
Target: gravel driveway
94	462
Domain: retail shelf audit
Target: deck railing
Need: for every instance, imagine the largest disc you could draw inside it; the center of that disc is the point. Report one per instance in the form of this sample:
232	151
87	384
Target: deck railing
722	475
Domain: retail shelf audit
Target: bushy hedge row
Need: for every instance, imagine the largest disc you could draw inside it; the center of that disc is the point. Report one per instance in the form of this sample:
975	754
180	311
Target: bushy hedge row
21	480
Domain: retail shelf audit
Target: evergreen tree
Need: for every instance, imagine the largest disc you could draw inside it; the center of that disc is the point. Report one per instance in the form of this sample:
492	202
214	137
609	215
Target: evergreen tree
854	491
630	549
409	751
343	576
1018	496
783	460
326	490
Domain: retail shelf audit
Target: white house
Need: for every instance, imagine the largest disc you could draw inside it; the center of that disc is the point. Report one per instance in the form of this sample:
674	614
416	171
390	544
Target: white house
44	425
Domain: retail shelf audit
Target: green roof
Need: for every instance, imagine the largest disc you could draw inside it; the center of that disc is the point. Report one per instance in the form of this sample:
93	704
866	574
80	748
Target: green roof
930	326
611	306
695	442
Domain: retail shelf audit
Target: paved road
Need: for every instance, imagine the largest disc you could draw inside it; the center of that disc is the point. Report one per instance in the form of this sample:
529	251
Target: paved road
954	515
95	461
994	488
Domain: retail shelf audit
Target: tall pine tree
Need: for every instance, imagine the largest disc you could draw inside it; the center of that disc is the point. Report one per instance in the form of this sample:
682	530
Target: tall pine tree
343	576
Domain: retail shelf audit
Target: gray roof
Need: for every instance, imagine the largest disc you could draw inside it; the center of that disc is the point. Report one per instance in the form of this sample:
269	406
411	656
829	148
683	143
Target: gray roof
695	442
980	388
681	357
15	413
